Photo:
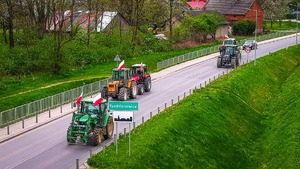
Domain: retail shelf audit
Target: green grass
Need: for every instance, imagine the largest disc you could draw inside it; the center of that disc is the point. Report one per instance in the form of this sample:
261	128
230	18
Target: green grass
246	119
285	25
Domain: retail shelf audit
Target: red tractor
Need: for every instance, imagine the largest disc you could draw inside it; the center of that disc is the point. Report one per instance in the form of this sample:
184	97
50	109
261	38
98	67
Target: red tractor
142	78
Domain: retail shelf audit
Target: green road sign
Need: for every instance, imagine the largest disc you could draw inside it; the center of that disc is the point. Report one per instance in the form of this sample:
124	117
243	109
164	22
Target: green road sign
125	106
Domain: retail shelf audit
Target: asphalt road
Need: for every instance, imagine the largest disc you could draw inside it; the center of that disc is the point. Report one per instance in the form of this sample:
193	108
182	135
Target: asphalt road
46	147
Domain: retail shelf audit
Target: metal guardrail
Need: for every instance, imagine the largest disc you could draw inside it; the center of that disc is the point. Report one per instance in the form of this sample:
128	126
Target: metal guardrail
196	54
42	105
45	104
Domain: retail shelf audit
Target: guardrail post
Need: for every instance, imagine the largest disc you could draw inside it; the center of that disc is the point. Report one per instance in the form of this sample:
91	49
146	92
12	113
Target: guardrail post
1	119
28	107
165	105
205	83
158	110
143	120
15	114
172	101
124	132
49	113
115	139
36	117
104	146
7	129
200	85
190	91
77	163
60	107
184	95
23	124
178	98
151	115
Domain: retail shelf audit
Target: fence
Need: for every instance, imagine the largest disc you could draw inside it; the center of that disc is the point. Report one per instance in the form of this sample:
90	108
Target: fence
189	56
42	105
45	104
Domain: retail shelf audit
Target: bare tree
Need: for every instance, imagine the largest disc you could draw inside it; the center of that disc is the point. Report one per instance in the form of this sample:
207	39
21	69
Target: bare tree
8	20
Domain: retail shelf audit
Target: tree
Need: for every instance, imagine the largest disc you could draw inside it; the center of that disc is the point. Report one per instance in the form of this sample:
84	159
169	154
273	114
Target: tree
200	26
8	20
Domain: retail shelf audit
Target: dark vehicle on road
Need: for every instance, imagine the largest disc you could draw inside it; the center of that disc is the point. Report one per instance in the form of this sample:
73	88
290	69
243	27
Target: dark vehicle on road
252	44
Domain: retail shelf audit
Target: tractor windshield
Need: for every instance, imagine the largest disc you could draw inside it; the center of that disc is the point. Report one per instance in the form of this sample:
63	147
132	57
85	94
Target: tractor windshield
228	51
136	70
118	75
89	108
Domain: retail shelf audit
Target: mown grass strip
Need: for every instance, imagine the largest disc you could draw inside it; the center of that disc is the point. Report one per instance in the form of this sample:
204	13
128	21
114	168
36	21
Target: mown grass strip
225	125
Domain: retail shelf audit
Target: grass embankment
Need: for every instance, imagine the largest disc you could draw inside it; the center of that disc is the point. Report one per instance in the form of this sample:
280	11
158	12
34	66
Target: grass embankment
284	25
246	119
15	92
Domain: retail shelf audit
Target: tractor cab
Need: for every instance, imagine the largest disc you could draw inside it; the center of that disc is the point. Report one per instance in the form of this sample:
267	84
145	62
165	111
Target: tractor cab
121	75
87	107
139	69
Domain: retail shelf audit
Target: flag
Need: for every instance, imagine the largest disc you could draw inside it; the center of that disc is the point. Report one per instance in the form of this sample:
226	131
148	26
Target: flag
121	65
97	100
141	67
79	99
226	37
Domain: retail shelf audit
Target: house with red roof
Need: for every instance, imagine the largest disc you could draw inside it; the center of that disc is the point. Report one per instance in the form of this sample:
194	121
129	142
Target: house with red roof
236	10
197	4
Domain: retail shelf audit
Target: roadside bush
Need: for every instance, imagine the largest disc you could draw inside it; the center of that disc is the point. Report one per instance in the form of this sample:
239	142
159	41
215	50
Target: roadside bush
243	27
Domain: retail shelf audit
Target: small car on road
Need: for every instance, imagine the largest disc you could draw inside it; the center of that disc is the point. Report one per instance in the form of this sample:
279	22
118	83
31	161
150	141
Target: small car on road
252	44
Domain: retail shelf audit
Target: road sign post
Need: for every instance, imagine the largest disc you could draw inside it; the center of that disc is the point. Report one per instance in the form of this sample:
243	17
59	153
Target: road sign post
117	59
123	113
247	50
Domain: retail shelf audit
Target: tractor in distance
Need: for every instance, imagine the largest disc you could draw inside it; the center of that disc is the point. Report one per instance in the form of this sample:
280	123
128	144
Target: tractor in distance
121	86
230	54
143	79
90	124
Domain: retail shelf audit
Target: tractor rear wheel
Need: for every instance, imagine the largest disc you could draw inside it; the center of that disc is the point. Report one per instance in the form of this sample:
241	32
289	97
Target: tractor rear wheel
109	128
133	90
141	89
97	137
147	84
123	94
68	139
104	93
233	63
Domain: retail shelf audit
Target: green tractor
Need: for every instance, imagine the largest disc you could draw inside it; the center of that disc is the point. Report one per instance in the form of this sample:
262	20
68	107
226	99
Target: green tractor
90	124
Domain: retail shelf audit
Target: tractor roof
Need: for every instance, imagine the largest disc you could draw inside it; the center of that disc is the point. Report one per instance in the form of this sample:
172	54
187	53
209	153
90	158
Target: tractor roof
91	100
139	65
116	69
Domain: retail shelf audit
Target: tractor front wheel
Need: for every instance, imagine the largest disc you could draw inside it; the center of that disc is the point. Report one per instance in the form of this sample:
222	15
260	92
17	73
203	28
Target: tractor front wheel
109	128
68	139
219	64
97	137
123	94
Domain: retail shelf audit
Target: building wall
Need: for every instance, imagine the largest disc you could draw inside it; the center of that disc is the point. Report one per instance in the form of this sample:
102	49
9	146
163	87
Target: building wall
222	31
250	15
